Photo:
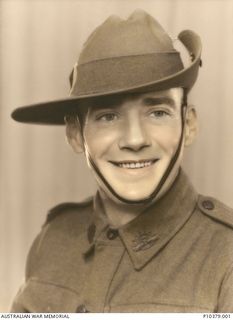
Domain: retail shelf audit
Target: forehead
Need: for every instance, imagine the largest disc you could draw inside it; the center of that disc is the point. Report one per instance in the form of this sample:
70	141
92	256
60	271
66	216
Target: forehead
172	97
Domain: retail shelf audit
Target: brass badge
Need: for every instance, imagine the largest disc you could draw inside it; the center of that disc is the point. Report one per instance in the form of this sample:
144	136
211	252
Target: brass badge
144	240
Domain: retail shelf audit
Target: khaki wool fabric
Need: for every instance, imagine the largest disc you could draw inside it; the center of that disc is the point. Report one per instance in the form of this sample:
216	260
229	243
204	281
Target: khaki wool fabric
175	257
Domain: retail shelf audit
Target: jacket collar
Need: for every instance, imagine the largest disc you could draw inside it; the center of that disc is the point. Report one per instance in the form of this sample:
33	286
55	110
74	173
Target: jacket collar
149	232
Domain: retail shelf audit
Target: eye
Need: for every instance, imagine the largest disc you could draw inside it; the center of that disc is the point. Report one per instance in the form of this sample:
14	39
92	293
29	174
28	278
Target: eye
107	117
158	114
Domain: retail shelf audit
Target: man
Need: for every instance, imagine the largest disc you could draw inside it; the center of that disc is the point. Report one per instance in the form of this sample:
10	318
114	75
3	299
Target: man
147	242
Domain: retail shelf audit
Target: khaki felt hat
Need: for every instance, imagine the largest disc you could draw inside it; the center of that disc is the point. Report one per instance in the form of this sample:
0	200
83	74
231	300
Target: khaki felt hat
122	56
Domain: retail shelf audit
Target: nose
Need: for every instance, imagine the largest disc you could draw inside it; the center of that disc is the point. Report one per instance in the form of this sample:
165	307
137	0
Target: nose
134	135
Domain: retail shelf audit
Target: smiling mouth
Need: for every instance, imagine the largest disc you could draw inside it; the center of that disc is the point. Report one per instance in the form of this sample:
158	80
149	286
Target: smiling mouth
129	164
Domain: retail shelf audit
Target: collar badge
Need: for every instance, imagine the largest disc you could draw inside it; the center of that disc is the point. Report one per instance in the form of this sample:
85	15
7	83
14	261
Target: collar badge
144	241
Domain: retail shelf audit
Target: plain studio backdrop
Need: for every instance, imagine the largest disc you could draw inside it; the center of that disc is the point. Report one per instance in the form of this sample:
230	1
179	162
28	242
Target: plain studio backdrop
40	42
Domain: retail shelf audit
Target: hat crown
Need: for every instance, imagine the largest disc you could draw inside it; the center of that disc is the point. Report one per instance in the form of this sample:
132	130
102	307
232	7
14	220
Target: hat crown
139	34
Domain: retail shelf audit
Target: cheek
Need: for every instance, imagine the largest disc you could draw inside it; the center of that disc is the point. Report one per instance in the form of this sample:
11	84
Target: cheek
99	141
167	138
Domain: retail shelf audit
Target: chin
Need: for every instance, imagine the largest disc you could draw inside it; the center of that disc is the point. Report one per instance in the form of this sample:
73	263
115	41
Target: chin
135	195
136	198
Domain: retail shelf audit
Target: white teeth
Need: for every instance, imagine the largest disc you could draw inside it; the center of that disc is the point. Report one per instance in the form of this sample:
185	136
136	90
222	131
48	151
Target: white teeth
135	165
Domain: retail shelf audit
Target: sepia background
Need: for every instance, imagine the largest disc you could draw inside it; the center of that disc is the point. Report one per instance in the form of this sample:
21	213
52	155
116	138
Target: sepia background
39	43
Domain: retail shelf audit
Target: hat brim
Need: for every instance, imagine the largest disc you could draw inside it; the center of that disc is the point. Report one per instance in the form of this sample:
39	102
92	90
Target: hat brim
53	112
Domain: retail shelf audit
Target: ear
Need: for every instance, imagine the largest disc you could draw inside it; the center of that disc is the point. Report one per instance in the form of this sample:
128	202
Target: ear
74	134
191	127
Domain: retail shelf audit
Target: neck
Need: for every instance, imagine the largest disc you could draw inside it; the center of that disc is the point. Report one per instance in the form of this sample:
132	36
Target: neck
118	213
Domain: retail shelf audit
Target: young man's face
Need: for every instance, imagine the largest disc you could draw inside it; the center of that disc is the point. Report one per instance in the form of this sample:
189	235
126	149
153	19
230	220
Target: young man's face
132	139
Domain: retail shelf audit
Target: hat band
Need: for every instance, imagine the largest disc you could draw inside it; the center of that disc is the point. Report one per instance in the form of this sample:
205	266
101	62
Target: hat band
113	74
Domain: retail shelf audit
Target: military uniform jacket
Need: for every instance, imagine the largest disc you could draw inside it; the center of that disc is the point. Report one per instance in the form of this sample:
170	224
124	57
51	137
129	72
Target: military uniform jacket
177	256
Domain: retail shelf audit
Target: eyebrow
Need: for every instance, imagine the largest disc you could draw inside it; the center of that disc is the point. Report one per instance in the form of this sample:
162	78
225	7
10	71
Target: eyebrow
152	101
106	102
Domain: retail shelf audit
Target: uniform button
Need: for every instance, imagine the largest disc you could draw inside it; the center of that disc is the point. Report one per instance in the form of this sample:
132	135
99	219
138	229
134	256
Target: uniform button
207	204
112	234
81	309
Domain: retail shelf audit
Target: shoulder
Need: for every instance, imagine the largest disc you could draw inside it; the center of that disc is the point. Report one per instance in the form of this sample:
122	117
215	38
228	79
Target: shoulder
68	209
65	223
69	218
216	210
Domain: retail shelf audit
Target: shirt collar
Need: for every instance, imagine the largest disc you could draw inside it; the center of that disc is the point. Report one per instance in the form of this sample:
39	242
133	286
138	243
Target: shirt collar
149	232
